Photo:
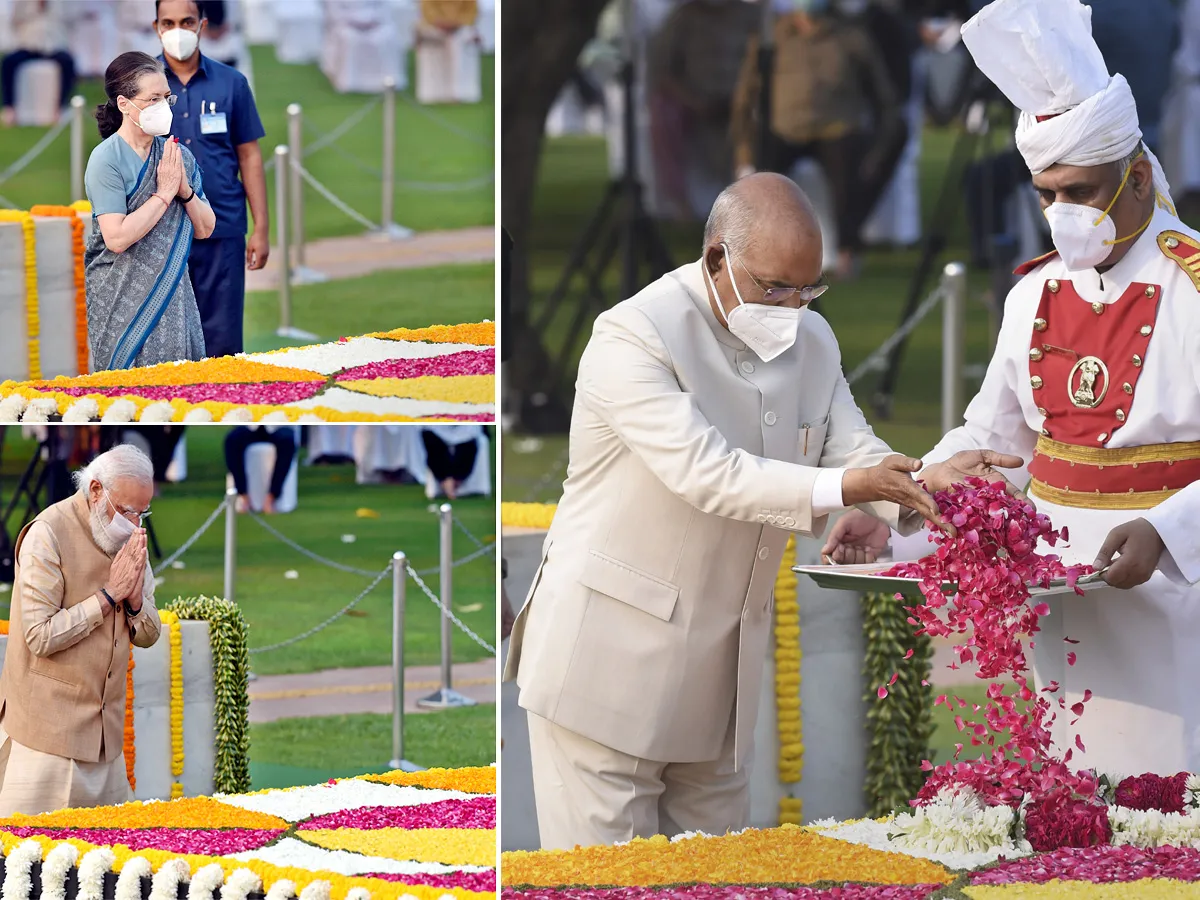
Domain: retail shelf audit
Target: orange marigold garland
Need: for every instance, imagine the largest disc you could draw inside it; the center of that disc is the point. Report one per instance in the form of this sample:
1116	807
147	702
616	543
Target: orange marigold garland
81	329
130	745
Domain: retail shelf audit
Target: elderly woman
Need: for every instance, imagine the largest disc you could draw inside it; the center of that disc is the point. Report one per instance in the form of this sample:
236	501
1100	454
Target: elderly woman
147	205
82	593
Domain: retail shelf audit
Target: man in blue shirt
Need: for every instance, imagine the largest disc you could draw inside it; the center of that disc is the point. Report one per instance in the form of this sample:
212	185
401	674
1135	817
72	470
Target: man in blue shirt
215	118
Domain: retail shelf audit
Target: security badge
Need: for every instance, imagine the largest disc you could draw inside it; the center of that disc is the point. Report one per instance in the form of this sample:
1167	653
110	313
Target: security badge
212	122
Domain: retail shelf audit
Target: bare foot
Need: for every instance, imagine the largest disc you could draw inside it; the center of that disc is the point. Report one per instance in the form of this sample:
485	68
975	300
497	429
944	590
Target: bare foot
269	505
450	488
242	504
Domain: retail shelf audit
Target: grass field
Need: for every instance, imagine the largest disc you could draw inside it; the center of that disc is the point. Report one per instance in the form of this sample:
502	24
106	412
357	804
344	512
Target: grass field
410	298
277	607
438	151
309	751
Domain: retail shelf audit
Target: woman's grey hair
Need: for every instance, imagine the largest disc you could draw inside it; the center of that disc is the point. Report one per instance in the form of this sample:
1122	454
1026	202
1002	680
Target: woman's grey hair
730	220
122	461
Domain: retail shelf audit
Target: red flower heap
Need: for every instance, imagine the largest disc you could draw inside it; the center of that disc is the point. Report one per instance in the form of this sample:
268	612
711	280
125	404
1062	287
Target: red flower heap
1055	821
1150	791
992	561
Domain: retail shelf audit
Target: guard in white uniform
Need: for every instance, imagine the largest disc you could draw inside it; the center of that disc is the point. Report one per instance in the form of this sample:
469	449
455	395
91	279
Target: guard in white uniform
1096	383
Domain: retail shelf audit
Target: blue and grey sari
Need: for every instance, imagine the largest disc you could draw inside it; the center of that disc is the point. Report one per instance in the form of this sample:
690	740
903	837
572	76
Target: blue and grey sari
140	306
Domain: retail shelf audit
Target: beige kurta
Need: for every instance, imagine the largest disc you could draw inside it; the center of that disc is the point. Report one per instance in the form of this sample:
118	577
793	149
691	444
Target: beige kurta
34	781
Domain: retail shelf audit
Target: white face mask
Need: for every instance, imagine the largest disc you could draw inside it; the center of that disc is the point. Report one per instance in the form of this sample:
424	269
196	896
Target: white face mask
155	119
767	330
180	43
1084	238
119	529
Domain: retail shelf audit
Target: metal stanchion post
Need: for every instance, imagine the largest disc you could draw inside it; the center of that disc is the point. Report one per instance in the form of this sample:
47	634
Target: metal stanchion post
282	219
446	697
230	541
388	229
954	303
301	273
77	160
399	586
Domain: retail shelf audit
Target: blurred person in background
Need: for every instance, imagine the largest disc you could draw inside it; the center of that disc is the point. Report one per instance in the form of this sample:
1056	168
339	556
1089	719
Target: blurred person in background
694	62
39	32
147	201
83	592
1138	39
238	441
450	452
832	100
218	121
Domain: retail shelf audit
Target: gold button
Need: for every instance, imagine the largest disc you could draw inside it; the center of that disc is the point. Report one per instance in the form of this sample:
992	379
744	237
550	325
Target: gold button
1039	324
1035	354
1135	465
1097	308
1053	285
1127	387
1120	415
1100	468
1150	291
1045	432
1103	436
1043	413
1137	361
1036	381
1171	243
1145	330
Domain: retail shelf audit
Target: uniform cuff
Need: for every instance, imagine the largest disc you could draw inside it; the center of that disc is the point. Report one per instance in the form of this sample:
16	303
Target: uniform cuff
827	492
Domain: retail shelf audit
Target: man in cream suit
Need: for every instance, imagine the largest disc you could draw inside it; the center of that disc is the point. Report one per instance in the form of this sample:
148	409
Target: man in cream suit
711	418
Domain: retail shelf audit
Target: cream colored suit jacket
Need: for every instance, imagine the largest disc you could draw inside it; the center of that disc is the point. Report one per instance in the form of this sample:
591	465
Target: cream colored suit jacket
647	623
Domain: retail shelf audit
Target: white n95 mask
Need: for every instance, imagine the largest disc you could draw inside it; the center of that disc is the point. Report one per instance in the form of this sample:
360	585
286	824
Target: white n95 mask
1082	238
156	119
119	529
180	43
767	330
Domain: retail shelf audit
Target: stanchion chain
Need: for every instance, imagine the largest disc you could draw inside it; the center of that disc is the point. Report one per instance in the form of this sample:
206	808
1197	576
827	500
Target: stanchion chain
195	537
448	613
315	557
877	360
337	615
334	198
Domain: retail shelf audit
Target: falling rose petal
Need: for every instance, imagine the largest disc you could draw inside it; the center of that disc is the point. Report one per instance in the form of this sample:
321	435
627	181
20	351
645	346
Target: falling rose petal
1071	658
892	681
924	683
882	692
909	654
1077	708
1071	640
1079	744
1042	609
1087	695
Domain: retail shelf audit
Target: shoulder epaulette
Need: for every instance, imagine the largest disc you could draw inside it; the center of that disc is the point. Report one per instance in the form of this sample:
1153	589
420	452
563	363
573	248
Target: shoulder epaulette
1183	251
1026	267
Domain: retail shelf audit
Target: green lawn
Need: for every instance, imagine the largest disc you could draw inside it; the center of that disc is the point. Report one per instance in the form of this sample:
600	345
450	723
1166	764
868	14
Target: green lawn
277	607
438	151
409	298
309	751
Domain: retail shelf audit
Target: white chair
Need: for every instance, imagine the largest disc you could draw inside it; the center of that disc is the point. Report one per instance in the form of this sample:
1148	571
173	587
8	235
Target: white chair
95	36
448	66
39	83
477	484
361	47
260	462
177	468
896	219
486	26
330	440
405	16
299	31
807	173
260	21
7	38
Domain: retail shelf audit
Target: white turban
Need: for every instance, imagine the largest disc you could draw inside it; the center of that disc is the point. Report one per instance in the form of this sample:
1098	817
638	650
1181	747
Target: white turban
1043	58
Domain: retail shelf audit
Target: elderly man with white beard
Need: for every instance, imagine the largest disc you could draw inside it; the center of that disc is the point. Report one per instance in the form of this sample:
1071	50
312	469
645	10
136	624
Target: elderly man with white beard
82	593
1095	382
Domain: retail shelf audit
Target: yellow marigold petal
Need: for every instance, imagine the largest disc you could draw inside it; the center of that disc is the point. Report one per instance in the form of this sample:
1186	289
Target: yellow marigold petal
481	333
194	812
450	388
452	846
471	780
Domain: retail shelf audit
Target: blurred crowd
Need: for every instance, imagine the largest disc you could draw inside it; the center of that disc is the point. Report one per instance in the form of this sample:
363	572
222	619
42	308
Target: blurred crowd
850	85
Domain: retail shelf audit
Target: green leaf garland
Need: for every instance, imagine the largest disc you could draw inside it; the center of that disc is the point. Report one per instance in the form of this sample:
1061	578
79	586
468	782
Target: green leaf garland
900	725
231	668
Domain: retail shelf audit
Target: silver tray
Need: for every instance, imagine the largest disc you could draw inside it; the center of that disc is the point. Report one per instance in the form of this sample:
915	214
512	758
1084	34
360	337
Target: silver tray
865	577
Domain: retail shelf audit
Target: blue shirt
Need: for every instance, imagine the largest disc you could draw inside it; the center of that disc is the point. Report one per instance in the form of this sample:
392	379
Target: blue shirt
112	174
225	89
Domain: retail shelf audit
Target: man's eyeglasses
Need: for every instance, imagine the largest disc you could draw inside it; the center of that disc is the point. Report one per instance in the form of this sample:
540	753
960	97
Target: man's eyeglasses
775	295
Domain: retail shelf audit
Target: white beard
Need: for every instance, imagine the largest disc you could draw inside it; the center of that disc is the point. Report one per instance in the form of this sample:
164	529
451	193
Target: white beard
99	535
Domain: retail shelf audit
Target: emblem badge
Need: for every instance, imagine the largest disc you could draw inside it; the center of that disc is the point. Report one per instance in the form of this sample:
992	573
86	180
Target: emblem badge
1088	382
